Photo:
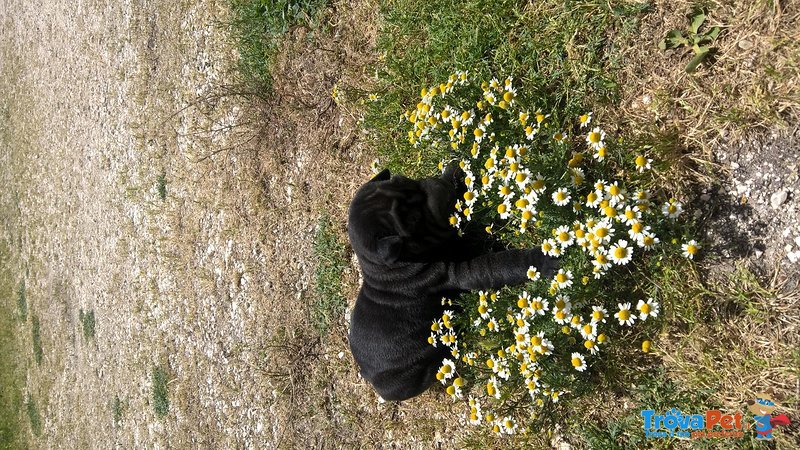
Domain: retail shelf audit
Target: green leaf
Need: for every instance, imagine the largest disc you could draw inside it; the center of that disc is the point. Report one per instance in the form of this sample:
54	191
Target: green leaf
697	20
674	39
712	35
698	58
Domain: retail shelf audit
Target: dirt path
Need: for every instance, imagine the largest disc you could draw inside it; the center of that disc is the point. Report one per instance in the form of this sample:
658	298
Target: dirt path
130	191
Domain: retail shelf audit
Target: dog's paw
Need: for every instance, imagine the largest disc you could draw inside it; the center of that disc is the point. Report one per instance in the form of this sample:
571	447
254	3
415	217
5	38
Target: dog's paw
547	266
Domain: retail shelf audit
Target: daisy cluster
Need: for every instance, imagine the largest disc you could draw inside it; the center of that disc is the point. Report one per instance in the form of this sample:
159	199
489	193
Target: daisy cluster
531	181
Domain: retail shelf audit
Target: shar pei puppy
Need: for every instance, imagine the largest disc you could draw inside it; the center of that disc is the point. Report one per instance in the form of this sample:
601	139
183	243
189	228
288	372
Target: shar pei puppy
411	257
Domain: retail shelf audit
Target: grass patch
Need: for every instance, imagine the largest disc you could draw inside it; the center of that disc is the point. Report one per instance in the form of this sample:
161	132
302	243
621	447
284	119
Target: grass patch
116	409
37	339
329	251
560	52
12	376
161	186
22	303
87	323
160	392
34	416
257	27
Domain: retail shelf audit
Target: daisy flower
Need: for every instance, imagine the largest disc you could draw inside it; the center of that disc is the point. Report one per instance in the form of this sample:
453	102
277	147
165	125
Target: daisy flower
595	138
577	177
560	137
561	197
672	208
549	247
603	231
642	163
538	306
509	426
530	132
537	184
534	274
454	390
600	153
593	199
637	230
561	316
599	314
448	369
504	209
578	362
564	236
615	194
631	215
563	279
690	249
585	119
493	387
592	346
624	314
620	253
647	308
475	415
589	330
505	191
648	240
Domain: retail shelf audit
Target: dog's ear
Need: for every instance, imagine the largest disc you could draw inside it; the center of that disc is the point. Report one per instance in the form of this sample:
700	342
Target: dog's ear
382	176
390	249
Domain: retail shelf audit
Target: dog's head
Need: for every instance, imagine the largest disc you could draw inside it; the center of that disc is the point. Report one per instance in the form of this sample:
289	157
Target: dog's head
393	218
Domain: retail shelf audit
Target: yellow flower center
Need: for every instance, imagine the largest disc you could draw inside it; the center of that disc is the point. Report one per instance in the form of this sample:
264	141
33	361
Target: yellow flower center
645	309
691	249
522	302
620	252
576	362
601	152
641	161
624	314
468	195
563	236
637	227
478	132
508	96
527	215
538	184
594	137
587	329
597	315
601	232
613	190
588	344
520	177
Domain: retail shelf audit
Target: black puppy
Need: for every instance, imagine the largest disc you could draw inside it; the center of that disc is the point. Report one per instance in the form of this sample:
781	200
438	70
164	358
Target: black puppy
410	258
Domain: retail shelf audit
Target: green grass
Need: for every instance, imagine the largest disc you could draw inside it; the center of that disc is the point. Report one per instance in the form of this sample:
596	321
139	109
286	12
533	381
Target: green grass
33	416
87	323
116	409
329	252
257	27
22	303
558	51
37	339
160	392
161	186
12	375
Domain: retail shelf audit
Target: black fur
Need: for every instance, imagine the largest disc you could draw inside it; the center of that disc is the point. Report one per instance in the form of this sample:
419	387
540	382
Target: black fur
410	257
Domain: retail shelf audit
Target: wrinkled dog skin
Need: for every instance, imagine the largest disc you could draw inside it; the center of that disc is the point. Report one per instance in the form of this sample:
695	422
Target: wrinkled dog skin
410	258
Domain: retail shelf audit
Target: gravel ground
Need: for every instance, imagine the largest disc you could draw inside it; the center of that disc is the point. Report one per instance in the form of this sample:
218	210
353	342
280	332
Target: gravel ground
755	211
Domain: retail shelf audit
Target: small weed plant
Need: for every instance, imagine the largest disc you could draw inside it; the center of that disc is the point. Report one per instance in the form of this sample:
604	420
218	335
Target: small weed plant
564	185
36	335
160	398
699	43
329	252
